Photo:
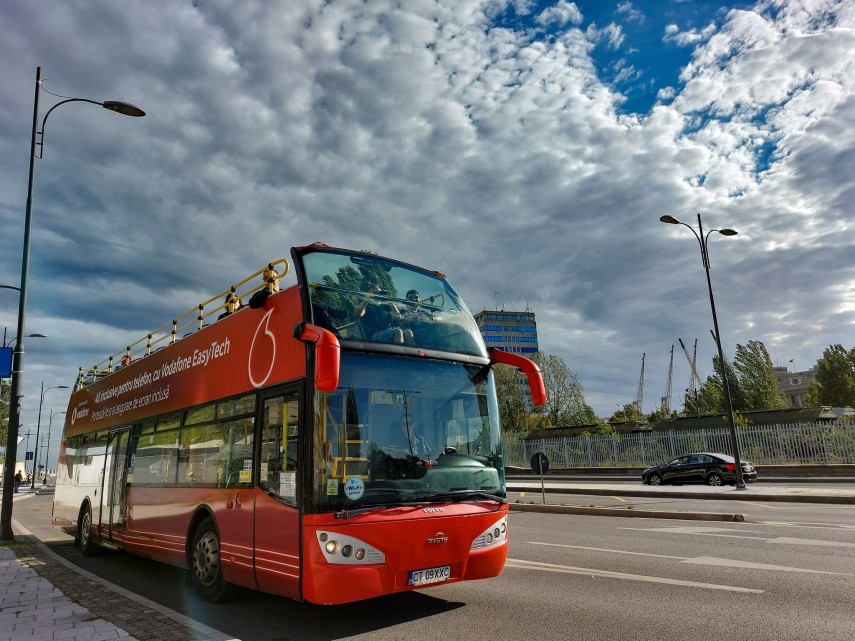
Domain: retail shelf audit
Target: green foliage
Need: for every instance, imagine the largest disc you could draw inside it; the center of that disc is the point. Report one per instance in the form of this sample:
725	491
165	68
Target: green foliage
835	377
512	405
707	400
628	413
758	383
751	379
565	397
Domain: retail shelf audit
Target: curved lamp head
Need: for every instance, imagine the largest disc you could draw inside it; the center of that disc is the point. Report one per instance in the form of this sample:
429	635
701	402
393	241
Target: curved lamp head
124	108
669	219
727	232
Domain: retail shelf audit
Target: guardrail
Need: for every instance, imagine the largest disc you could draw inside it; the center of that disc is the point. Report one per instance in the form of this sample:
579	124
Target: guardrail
790	444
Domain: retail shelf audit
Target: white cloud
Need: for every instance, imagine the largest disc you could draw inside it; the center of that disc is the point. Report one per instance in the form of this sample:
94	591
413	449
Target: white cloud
561	13
426	132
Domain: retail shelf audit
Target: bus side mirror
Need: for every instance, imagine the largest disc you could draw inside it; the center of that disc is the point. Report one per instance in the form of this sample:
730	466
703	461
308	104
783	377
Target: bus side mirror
327	354
527	367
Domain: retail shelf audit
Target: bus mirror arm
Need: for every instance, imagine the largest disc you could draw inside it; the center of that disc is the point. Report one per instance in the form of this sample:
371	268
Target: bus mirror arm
527	367
327	354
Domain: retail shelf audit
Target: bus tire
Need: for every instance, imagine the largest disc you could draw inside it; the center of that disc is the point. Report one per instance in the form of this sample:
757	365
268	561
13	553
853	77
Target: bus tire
206	570
84	531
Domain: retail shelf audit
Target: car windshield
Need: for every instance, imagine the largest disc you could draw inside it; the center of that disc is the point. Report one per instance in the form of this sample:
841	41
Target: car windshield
367	298
405	430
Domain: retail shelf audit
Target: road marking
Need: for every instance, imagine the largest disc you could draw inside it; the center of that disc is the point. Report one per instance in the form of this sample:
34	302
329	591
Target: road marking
606	574
708	531
812	526
582	547
793	541
768	507
733	563
699	531
700	560
618	498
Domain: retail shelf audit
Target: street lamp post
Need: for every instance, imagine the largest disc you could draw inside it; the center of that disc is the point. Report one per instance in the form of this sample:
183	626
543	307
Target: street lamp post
36	140
47	451
705	258
38	427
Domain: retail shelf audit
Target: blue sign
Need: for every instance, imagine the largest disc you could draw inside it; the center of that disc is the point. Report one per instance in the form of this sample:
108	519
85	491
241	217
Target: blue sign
5	362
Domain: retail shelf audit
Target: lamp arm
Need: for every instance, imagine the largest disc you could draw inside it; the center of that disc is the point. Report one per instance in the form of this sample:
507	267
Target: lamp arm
41	142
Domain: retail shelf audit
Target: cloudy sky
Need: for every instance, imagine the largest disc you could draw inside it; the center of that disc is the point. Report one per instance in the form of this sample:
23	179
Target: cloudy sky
526	148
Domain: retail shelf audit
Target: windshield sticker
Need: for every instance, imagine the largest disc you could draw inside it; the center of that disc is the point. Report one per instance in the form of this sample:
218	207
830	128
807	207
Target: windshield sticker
354	488
332	487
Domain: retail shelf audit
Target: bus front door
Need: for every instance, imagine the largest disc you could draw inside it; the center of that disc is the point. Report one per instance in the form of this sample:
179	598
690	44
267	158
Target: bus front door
277	519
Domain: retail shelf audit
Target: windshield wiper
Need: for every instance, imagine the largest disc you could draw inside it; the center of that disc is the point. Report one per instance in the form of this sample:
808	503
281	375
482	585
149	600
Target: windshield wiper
457	496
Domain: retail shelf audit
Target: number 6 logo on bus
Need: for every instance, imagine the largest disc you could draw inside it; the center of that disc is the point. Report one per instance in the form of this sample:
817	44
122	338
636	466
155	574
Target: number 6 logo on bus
265	323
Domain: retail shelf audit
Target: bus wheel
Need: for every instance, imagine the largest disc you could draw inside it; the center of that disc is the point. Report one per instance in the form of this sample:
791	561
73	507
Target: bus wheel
206	569
84	534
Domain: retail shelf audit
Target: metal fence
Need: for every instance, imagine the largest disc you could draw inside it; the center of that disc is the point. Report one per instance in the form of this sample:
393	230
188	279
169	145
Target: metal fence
789	444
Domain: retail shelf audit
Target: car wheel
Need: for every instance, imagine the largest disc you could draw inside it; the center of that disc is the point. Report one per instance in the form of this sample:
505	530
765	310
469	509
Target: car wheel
714	480
654	479
206	567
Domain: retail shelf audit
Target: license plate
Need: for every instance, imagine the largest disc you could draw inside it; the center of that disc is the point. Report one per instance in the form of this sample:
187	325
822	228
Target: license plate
431	575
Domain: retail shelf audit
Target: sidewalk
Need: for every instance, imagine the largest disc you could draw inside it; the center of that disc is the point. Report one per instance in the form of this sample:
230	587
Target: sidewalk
45	598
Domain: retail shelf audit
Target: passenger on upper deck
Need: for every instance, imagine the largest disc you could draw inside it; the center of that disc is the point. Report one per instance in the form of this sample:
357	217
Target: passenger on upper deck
324	314
271	279
232	304
381	319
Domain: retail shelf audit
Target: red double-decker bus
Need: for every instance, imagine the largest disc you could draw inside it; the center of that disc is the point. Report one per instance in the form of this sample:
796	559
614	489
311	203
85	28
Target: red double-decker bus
337	439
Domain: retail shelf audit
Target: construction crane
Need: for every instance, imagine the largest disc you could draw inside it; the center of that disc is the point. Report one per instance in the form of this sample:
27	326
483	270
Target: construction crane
694	378
666	399
639	395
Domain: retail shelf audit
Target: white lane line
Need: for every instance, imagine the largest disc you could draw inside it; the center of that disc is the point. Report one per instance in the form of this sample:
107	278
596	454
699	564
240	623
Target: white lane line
809	525
733	563
768	507
700	560
582	547
566	569
793	541
700	531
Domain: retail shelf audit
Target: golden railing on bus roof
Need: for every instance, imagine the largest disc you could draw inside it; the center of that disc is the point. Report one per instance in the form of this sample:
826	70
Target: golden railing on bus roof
147	344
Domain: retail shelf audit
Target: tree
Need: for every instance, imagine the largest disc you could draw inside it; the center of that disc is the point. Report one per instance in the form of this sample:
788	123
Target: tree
565	397
628	413
709	399
835	377
757	381
513	413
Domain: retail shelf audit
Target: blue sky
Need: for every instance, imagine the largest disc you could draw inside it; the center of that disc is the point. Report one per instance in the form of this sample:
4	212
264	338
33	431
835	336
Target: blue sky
526	149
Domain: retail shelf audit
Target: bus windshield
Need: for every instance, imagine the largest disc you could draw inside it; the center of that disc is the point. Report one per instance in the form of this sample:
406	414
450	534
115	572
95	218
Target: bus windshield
401	430
367	298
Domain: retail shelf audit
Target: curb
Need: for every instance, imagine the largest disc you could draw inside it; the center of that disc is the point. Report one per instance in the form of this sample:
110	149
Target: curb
734	495
626	513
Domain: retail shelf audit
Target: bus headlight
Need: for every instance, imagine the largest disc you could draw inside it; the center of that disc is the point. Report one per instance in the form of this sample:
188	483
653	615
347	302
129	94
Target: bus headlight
340	548
496	534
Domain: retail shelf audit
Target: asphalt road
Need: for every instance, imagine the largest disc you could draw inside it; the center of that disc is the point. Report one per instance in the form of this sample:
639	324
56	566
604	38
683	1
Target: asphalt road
568	577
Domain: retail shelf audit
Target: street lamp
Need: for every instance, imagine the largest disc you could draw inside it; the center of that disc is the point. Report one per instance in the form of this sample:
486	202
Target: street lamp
47	451
705	258
12	339
36	140
38	427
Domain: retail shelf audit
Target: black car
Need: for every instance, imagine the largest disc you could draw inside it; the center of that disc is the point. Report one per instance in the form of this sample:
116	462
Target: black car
699	467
